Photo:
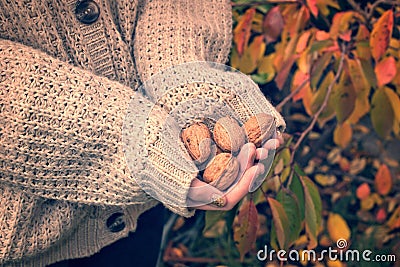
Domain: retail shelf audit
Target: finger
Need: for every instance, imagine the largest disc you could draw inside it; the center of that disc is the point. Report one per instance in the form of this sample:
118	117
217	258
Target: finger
246	157
239	190
201	193
271	144
261	153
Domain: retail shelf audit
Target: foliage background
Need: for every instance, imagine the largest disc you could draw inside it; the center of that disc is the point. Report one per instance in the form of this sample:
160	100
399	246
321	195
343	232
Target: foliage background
333	69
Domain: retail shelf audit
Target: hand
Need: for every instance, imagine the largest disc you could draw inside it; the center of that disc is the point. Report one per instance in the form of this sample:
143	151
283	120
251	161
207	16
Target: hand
201	194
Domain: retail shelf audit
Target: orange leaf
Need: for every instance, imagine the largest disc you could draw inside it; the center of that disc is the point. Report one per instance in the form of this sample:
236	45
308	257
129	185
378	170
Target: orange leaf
380	35
245	234
342	134
302	42
337	227
273	24
242	31
298	79
385	70
363	191
312	5
383	180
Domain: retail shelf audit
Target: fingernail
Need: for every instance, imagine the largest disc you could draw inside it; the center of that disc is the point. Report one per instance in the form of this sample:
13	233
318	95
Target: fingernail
218	201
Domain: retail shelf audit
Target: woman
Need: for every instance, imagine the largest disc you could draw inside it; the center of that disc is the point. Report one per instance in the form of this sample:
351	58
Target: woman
69	70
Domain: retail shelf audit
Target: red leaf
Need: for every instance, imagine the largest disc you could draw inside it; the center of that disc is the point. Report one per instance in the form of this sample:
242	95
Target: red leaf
242	31
312	5
363	191
385	70
273	24
383	180
380	35
245	234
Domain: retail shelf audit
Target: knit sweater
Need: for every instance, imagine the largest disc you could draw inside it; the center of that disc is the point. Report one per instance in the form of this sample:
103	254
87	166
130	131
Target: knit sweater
82	152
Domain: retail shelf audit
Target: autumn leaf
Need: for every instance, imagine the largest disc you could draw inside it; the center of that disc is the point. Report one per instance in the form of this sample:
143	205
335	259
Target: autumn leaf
273	24
323	6
362	89
394	100
313	208
385	70
337	227
383	180
318	69
291	206
344	97
363	50
252	55
342	134
298	79
394	221
312	5
382	114
363	191
380	35
241	33
281	222
245	234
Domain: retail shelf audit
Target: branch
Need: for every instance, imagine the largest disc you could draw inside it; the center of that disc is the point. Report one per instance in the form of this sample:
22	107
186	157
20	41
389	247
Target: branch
324	104
376	4
290	96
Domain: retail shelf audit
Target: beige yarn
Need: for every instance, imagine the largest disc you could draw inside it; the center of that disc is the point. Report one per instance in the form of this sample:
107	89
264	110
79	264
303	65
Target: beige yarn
65	90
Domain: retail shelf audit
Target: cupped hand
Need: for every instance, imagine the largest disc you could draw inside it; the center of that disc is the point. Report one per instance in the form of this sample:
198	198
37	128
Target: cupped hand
206	197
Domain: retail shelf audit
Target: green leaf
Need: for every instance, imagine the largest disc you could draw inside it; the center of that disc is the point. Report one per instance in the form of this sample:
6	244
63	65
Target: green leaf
291	207
318	69
313	210
281	222
245	234
344	97
297	188
382	115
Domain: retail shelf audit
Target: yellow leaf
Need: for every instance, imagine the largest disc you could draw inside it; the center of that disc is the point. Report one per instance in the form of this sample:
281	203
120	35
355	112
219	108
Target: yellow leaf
385	70
252	55
323	6
334	263
380	35
383	180
266	65
367	203
344	97
362	43
337	227
342	134
325	180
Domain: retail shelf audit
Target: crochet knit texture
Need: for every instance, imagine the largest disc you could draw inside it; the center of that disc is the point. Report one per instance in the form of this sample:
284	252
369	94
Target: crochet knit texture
66	91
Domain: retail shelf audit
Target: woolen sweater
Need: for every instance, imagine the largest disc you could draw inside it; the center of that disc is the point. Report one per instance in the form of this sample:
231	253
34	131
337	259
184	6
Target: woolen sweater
74	165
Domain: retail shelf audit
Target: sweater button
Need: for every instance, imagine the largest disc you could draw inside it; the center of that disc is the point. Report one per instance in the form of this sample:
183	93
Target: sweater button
115	223
87	11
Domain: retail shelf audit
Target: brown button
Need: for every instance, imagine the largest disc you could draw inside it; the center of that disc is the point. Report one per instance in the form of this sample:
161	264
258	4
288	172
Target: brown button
87	11
115	223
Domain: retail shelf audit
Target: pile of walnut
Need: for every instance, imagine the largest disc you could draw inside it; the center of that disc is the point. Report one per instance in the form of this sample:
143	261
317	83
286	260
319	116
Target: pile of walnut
222	170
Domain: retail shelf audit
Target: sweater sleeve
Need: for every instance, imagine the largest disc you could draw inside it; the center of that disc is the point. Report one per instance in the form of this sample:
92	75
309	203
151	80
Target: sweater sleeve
62	133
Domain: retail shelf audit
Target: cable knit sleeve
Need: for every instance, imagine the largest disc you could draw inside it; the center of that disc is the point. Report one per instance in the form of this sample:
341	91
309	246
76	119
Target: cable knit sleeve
174	32
61	131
